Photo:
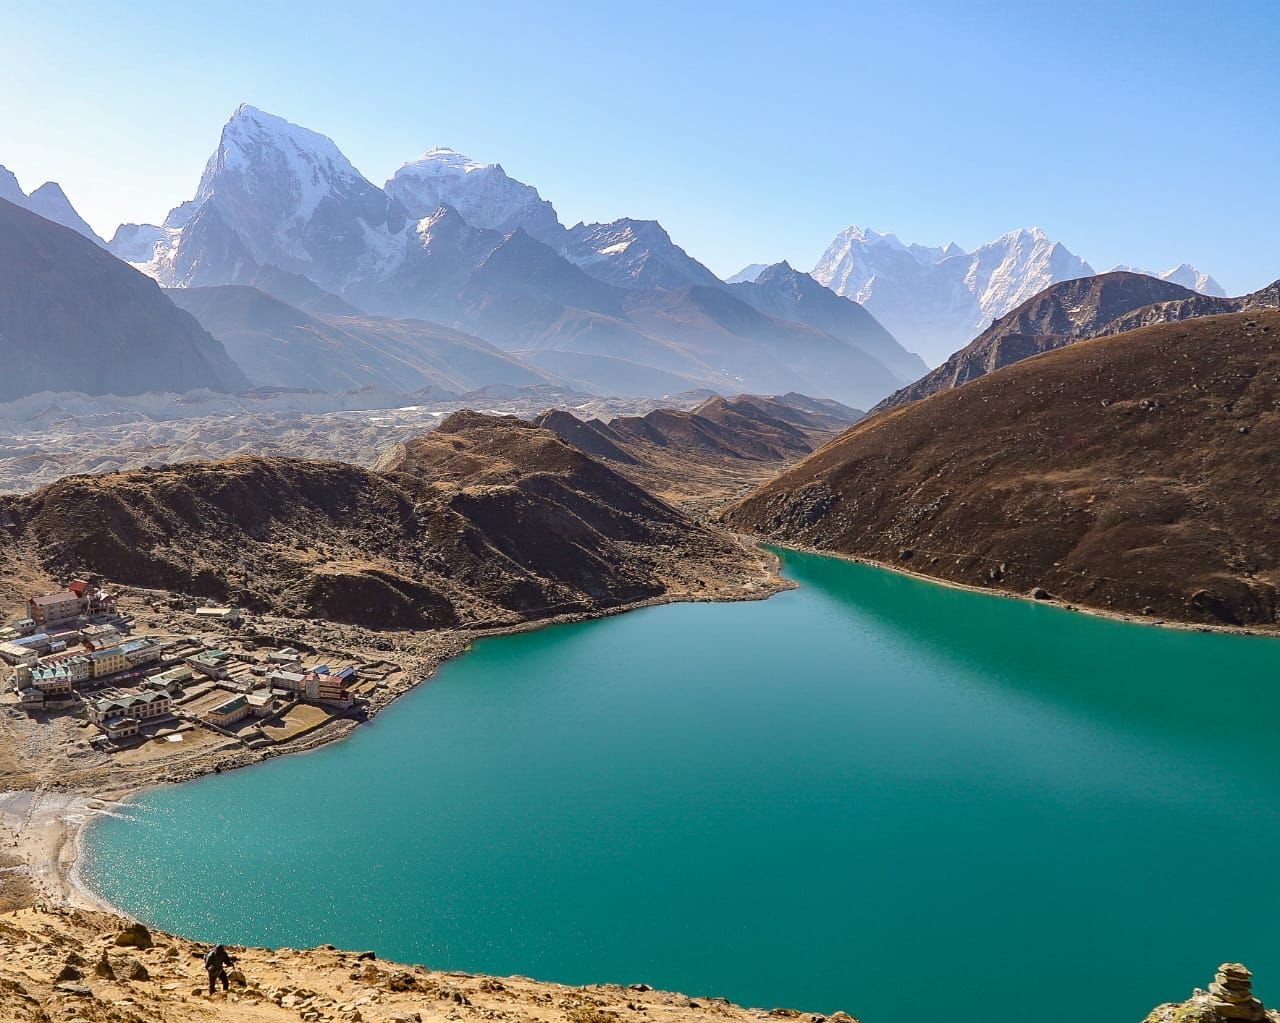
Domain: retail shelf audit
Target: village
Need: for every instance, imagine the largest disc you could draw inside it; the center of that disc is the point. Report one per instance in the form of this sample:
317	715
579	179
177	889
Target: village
74	654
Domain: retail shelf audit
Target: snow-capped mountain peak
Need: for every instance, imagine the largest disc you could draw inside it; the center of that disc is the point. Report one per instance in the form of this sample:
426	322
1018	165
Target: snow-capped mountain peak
442	161
747	274
936	299
633	254
272	194
269	157
1186	275
482	193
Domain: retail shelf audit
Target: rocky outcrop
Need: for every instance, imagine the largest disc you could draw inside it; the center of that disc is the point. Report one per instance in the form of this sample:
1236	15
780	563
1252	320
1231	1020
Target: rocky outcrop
313	985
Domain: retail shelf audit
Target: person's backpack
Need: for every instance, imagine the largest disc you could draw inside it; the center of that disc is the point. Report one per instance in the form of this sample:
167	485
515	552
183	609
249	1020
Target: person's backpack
212	960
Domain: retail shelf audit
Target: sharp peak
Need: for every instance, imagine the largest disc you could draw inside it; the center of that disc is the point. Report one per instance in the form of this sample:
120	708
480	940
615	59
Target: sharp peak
49	186
860	233
246	112
447	154
1037	233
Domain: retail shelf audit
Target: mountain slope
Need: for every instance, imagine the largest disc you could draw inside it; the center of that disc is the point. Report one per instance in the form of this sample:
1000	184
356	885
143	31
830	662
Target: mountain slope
48	201
1059	315
699	458
1110	303
788	294
1132	473
745	349
74	318
487	520
278	345
633	254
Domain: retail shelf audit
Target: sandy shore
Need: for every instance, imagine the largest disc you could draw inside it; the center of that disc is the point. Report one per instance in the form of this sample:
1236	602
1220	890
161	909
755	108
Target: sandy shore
43	830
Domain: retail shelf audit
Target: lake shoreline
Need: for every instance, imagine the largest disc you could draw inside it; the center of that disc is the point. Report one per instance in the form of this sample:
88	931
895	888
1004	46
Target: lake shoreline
50	842
1050	601
65	870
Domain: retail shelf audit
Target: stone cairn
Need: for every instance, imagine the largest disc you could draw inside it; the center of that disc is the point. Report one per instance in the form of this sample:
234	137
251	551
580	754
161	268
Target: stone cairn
1231	994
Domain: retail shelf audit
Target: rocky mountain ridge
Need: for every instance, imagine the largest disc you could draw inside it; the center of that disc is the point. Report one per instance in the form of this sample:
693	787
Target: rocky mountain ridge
486	519
1072	311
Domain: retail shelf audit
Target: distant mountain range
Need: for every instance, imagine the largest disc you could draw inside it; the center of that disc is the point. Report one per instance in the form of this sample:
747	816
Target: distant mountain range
935	300
278	345
613	308
454	275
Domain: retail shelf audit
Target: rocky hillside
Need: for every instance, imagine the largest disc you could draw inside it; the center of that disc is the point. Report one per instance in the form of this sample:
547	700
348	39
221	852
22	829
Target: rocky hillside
1130	473
699	458
1060	314
67	964
74	318
487	520
1109	303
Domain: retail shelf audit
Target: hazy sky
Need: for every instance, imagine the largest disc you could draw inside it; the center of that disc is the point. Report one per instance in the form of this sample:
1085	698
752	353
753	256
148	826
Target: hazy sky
1136	132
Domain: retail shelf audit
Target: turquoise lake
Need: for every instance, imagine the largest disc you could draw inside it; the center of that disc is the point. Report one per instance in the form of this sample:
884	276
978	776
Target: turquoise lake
869	793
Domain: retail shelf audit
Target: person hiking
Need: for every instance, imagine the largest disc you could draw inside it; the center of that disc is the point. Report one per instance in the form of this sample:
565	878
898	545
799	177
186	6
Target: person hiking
216	962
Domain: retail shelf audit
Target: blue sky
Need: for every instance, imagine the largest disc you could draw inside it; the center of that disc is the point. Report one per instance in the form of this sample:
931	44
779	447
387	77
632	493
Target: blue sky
1138	132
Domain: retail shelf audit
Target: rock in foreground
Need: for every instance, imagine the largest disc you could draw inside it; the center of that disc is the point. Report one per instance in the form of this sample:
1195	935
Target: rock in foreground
1229	998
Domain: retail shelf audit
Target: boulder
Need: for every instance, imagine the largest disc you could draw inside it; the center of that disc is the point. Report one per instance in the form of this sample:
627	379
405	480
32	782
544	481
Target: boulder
134	936
79	990
129	968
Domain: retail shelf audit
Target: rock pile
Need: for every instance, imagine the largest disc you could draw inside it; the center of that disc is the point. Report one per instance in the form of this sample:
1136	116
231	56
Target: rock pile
1229	999
1231	994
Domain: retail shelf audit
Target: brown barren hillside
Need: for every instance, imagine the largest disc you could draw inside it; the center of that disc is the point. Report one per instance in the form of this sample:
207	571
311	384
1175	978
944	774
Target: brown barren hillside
720	450
487	520
1132	473
65	964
